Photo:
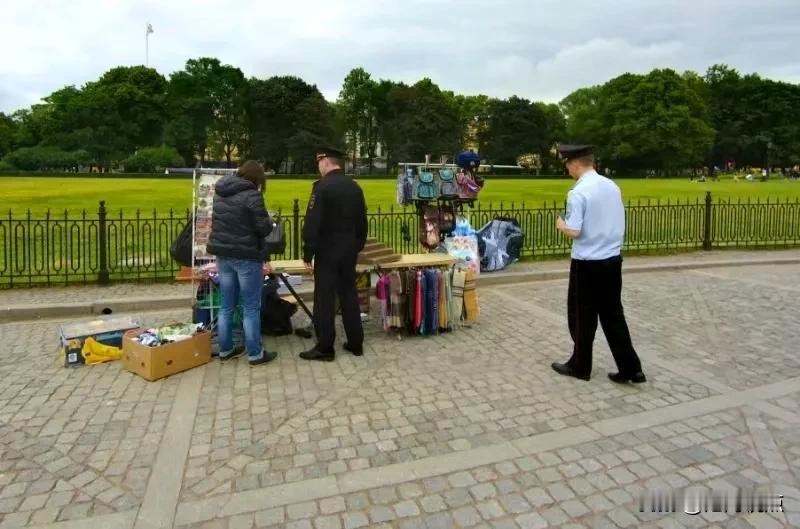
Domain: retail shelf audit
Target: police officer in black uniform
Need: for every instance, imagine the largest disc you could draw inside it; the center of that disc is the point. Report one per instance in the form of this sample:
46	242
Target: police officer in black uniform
335	231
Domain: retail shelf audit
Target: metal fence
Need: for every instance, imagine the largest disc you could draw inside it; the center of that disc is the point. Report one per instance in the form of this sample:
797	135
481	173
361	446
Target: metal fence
100	247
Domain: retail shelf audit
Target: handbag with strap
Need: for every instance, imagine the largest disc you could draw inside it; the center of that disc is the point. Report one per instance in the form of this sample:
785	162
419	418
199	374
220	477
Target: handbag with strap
181	247
275	242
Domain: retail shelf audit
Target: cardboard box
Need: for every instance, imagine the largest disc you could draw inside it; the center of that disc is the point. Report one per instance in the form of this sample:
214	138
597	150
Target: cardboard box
108	331
154	363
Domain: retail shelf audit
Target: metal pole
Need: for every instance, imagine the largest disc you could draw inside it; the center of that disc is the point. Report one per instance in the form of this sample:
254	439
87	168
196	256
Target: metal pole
147	48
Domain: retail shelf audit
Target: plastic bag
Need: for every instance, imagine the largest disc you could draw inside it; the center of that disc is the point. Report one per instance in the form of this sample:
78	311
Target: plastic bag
465	248
94	352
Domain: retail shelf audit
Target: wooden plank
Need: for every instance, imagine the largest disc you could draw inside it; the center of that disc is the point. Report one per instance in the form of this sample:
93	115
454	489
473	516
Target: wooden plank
420	260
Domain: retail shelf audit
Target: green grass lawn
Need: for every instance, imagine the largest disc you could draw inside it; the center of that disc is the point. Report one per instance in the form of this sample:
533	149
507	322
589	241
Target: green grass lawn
40	194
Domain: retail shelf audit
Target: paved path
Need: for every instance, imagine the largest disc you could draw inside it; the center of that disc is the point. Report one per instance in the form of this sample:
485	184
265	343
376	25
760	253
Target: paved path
470	429
96	294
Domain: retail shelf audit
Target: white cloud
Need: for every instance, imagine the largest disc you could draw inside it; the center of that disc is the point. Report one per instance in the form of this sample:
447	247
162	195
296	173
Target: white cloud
539	49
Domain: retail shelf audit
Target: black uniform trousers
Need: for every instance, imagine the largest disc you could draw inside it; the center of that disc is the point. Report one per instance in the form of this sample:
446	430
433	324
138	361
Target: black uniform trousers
335	275
595	291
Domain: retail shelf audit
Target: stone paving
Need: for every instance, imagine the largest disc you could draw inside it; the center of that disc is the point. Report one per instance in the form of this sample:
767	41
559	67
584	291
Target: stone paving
467	429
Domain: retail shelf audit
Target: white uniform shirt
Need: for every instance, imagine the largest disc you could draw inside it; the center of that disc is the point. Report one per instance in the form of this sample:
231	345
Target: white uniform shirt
594	206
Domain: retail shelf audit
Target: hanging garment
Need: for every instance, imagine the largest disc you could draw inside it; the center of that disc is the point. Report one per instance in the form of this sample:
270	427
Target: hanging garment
431	313
459	278
423	301
380	293
411	296
451	321
470	298
395	301
418	303
442	300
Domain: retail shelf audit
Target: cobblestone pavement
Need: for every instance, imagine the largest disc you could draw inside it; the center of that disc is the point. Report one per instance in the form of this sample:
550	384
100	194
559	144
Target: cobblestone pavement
467	429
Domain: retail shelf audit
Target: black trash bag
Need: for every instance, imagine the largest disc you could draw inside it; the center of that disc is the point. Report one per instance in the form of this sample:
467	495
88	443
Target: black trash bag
276	313
499	244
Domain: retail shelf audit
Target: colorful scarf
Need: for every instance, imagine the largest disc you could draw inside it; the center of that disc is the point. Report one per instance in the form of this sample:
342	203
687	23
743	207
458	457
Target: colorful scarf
470	297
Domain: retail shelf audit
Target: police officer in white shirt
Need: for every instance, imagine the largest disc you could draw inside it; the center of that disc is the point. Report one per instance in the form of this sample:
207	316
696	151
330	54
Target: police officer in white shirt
595	221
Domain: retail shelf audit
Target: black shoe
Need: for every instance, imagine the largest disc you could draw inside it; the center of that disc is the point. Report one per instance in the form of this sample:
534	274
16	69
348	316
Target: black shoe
566	370
267	357
316	354
237	351
619	378
357	351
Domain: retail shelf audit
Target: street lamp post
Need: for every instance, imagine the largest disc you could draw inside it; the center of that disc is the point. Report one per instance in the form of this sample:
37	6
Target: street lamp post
147	32
769	146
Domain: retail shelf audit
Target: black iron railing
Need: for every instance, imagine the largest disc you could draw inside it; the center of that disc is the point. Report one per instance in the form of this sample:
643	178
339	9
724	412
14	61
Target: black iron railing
98	247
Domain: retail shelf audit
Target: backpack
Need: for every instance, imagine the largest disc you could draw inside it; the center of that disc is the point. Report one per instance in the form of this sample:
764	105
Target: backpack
467	188
429	228
181	248
468	159
426	186
447	219
449	187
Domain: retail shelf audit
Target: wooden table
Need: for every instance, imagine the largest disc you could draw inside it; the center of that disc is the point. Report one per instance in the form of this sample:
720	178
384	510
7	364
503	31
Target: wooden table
419	260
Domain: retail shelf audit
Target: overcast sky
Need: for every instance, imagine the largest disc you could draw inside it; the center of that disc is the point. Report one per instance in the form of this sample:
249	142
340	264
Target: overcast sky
538	49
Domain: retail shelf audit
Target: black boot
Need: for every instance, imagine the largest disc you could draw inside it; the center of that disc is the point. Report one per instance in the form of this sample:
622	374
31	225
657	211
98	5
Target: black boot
316	354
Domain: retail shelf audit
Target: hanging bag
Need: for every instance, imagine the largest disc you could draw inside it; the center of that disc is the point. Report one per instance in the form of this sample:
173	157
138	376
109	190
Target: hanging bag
429	228
467	187
426	186
449	186
447	218
181	248
275	242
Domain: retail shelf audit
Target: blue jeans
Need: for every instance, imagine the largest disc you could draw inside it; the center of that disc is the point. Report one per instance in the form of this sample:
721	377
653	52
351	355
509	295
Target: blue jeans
245	277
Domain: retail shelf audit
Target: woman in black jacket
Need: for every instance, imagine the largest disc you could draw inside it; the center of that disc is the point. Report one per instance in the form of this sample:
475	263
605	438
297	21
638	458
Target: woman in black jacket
239	225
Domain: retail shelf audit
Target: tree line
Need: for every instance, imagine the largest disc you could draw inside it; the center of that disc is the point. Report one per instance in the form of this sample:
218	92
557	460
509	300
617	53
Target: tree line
134	117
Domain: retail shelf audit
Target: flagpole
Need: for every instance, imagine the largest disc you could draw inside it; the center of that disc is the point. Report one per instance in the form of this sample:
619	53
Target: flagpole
147	46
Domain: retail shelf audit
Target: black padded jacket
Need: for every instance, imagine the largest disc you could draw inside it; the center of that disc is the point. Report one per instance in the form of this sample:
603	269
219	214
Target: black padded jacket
240	221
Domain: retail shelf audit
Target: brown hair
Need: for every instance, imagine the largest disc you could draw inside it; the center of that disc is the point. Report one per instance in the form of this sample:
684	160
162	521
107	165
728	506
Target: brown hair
252	171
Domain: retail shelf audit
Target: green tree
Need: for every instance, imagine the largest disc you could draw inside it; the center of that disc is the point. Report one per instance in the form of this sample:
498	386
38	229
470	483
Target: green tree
556	127
272	113
46	159
653	121
29	125
515	126
356	104
190	108
207	104
313	126
424	121
473	116
8	134
757	121
152	159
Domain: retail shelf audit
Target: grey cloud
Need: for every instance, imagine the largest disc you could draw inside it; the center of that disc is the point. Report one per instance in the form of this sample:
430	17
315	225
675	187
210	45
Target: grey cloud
540	49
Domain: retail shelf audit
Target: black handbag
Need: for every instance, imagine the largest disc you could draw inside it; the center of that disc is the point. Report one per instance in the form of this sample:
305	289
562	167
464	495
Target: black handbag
181	248
275	242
